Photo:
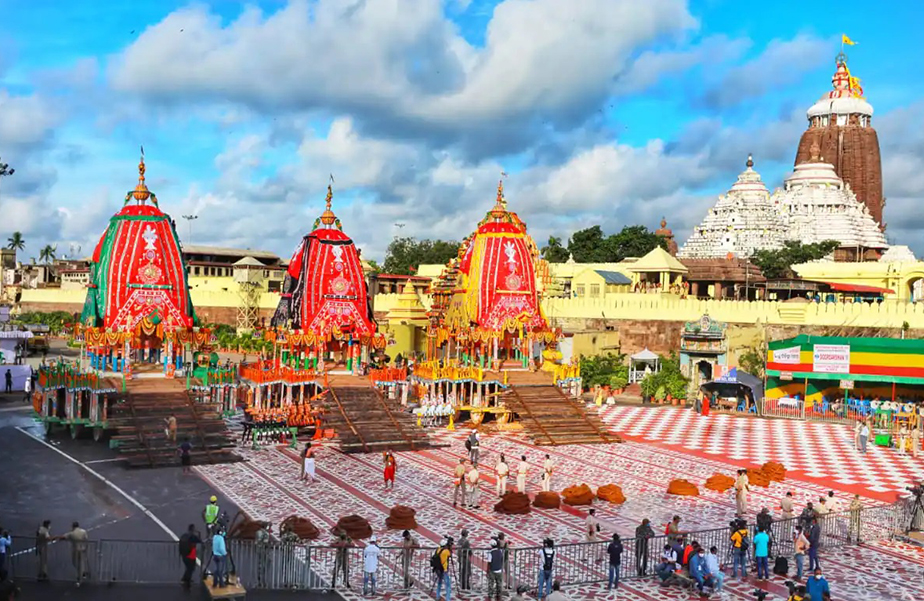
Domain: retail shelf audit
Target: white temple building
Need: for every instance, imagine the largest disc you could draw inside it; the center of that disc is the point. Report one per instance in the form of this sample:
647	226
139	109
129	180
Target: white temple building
743	221
817	205
814	205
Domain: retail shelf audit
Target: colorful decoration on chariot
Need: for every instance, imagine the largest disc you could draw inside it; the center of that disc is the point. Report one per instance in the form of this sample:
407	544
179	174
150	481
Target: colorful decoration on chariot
495	285
324	295
64	375
137	275
270	373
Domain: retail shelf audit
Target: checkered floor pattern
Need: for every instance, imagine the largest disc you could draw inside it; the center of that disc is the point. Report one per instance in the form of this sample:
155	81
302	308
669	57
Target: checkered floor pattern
819	451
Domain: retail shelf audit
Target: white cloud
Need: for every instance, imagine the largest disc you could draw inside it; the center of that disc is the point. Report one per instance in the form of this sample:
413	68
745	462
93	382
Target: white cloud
782	62
403	72
26	120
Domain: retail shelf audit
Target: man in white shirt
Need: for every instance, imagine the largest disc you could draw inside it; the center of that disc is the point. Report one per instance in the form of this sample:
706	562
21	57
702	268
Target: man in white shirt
472	479
713	569
370	565
591	525
522	471
501	469
547	467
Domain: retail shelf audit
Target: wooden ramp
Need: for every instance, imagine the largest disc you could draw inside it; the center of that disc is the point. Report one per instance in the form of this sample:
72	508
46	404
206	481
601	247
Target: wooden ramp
140	421
366	421
551	418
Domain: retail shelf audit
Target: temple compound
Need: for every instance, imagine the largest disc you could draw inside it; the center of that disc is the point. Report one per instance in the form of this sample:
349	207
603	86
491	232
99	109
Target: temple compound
490	350
840	125
814	205
743	221
137	334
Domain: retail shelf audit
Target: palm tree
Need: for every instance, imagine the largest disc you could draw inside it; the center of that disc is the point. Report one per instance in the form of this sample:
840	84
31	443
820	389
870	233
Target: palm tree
47	254
6	170
16	241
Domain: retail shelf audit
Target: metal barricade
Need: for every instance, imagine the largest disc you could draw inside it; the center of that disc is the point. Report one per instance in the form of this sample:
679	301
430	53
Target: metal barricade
148	562
61	560
785	408
279	566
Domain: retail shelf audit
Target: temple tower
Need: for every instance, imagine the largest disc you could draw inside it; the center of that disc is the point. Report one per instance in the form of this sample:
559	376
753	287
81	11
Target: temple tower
840	125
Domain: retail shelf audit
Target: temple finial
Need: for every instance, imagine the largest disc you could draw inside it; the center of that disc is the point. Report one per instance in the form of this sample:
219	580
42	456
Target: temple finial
750	162
141	192
328	217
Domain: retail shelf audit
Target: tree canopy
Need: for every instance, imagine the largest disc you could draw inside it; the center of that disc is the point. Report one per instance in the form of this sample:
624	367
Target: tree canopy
554	252
405	255
778	263
590	245
16	241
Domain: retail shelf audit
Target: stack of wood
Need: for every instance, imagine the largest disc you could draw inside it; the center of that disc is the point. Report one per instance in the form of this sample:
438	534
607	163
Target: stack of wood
367	422
141	426
550	417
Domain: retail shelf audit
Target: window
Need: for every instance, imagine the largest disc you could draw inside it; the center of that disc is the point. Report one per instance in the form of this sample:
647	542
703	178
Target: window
580	290
594	290
196	271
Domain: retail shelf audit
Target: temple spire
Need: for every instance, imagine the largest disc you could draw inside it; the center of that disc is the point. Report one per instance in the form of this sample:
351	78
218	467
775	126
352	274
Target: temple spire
750	163
327	217
141	192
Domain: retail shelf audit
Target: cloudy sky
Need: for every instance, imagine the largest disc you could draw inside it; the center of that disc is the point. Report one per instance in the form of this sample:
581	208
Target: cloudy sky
601	111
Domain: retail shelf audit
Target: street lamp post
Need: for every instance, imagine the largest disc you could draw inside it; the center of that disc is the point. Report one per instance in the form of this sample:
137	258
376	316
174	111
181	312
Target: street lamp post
189	219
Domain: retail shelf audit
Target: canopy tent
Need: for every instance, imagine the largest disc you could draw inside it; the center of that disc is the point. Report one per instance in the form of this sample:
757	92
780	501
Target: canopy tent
648	361
735	378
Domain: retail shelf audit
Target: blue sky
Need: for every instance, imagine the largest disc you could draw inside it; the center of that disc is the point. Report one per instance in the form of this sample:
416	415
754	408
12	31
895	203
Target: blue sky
601	111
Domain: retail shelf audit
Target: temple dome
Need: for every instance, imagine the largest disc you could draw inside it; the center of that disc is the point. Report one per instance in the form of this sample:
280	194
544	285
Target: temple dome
743	221
840	106
818	206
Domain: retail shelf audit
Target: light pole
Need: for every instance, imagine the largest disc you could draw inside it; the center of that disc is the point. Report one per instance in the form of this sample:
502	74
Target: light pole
5	170
189	219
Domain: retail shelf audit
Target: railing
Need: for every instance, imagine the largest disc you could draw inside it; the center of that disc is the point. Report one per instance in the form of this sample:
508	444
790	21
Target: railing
303	566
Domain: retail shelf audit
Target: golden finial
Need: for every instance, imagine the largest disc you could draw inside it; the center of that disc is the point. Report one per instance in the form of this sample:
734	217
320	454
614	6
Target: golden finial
328	217
750	162
141	192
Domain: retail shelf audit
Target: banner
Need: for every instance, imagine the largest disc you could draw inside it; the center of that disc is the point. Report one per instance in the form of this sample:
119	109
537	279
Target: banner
788	355
831	358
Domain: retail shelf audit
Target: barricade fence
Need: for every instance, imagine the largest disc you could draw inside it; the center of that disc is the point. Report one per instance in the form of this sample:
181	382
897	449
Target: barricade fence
280	566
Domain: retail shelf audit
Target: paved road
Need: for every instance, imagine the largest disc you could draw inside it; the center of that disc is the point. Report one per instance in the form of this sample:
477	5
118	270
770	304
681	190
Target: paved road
54	592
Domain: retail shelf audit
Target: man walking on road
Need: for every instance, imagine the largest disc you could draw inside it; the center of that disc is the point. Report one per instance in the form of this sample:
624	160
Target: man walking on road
458	483
187	546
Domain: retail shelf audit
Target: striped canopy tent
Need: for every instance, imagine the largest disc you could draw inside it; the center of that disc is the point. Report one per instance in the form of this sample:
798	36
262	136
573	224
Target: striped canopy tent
137	276
840	358
325	295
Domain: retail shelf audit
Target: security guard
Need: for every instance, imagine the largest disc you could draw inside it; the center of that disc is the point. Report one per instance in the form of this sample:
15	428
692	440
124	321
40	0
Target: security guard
210	514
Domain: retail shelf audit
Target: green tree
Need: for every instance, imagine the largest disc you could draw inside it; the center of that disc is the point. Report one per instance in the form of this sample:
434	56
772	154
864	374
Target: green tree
608	369
633	241
591	246
405	255
47	254
588	245
16	241
554	252
752	361
669	380
778	263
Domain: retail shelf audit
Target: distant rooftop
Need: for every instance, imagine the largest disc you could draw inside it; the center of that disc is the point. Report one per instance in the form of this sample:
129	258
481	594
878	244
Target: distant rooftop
196	249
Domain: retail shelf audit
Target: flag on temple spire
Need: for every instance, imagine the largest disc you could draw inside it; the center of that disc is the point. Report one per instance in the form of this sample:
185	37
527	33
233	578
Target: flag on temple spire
847	40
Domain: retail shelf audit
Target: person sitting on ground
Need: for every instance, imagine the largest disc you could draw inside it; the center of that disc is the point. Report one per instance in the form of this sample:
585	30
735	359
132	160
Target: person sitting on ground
817	587
698	569
668	564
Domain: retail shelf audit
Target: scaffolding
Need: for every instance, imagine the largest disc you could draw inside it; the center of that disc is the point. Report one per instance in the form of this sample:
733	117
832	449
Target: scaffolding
250	281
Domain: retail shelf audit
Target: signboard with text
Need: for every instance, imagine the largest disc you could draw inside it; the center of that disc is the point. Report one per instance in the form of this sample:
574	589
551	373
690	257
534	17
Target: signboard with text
789	355
847	384
831	358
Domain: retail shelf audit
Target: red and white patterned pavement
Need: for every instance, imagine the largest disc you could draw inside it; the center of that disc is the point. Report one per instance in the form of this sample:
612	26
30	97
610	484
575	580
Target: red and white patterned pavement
664	444
819	452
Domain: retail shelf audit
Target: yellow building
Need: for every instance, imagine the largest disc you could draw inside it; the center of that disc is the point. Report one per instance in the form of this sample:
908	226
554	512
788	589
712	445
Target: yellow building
406	323
597	283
